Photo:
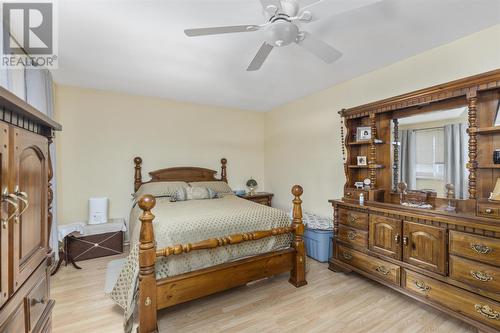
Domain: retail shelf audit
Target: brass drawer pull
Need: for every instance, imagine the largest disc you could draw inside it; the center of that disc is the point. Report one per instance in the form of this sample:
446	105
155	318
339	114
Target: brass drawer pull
488	211
352	235
405	240
352	219
35	301
422	286
481	249
382	270
481	276
488	312
397	239
347	255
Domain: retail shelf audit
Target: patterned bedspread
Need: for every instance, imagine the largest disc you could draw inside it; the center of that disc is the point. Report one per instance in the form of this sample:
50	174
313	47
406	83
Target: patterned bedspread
192	221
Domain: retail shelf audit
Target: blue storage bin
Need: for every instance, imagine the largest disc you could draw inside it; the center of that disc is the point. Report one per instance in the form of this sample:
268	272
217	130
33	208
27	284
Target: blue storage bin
319	244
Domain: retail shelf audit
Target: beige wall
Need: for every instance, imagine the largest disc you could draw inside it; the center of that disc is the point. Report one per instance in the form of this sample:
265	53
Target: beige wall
103	131
303	137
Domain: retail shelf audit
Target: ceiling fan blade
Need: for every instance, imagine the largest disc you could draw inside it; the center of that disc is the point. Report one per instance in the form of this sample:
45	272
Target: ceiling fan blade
327	8
220	30
271	6
319	48
260	57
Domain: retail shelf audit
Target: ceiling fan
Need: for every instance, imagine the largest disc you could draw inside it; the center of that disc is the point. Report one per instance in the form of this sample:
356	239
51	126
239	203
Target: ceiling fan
281	28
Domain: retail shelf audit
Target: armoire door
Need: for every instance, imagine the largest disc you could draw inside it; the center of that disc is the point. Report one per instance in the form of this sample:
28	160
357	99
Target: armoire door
29	181
385	236
5	207
424	246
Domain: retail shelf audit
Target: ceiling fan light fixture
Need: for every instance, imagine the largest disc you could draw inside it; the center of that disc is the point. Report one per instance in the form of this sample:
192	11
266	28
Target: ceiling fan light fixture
281	33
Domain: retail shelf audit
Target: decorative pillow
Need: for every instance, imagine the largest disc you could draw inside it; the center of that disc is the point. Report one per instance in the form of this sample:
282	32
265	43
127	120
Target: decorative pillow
193	193
217	186
159	189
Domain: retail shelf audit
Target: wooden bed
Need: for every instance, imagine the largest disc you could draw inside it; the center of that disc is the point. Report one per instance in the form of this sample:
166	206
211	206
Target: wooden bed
159	294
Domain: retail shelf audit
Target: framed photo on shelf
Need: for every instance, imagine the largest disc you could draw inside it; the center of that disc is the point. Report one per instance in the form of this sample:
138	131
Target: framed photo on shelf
363	133
362	160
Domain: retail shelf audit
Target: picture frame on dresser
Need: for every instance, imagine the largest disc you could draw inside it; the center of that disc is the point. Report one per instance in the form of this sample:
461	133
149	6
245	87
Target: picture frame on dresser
447	259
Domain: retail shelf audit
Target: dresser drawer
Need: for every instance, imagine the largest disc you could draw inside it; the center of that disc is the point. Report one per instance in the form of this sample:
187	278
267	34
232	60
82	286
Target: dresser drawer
456	299
377	267
475	274
488	211
353	236
36	301
485	249
353	219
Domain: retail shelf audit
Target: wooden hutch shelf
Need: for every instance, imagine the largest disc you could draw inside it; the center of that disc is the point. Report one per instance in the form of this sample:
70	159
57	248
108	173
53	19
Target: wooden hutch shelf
488	166
366	142
376	166
488	130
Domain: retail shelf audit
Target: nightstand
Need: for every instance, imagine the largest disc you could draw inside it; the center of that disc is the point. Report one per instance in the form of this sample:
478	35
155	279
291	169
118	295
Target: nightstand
263	198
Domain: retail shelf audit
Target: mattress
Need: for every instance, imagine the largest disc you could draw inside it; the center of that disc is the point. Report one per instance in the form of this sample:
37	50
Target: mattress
192	221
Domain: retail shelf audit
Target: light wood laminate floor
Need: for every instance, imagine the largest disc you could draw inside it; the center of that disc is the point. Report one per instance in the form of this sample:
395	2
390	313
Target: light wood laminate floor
331	302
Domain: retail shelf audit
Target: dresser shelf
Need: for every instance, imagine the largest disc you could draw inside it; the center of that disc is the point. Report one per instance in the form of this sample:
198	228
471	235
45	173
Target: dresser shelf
488	130
366	142
375	166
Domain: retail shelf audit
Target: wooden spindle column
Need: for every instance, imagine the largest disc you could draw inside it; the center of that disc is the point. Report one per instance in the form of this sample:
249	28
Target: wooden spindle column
147	276
137	174
223	170
472	130
395	166
298	273
372	161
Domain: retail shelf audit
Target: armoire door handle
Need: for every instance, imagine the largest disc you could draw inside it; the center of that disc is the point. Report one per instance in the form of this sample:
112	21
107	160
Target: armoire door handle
9	199
405	240
397	239
23	197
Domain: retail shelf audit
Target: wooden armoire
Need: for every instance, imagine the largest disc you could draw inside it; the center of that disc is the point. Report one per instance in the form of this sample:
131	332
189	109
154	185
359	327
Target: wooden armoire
446	258
25	216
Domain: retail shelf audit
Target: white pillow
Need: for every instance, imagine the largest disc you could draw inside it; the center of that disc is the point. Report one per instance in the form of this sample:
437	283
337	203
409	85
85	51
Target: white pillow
193	193
159	189
217	186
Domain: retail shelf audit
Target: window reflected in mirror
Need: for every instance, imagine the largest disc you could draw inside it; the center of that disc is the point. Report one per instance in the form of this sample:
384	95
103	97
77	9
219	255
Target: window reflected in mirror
433	151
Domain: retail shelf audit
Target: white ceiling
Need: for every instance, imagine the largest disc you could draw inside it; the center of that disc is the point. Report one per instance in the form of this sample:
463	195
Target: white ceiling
138	46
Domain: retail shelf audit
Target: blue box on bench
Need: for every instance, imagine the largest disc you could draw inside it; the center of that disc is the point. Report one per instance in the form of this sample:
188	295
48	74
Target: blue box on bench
319	244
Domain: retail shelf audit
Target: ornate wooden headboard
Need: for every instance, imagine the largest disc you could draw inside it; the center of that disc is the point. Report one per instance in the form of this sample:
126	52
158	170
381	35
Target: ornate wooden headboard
186	174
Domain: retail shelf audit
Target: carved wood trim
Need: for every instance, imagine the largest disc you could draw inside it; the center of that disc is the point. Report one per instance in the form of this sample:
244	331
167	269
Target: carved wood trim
457	88
472	130
50	193
213	243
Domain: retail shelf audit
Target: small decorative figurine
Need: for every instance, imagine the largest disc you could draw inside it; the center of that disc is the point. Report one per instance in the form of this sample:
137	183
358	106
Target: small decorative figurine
359	185
252	185
367	182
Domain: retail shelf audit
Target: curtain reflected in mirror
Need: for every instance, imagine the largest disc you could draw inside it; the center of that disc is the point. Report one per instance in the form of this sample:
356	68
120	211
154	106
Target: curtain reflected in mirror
433	151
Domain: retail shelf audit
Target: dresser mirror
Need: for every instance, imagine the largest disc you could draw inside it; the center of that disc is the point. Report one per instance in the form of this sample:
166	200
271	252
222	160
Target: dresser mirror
432	150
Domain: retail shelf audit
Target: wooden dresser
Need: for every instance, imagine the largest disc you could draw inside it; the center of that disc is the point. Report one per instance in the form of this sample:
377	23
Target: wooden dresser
262	198
449	260
25	216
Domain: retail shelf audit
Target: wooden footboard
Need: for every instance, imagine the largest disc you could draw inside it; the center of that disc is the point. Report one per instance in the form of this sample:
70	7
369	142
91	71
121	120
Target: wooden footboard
155	295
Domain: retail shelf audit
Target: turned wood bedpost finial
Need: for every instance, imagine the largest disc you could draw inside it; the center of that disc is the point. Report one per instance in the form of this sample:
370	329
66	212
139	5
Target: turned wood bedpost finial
137	175
223	173
147	276
298	273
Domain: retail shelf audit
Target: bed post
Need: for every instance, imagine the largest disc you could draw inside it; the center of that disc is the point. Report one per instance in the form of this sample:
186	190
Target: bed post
298	273
147	277
137	175
223	173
